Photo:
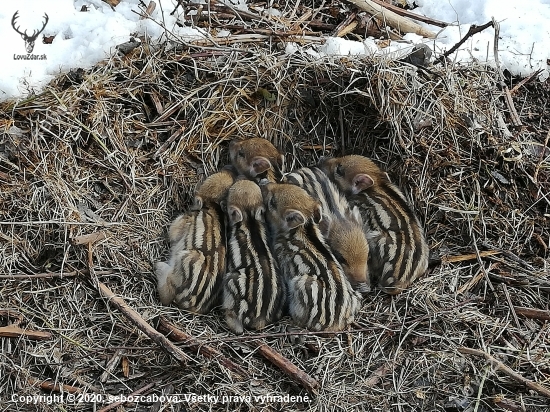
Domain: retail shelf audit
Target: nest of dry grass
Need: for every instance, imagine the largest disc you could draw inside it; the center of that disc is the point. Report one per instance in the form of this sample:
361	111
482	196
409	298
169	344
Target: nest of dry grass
116	151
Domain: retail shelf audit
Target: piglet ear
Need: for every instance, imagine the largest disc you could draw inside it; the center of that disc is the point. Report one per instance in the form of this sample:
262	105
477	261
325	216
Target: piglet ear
235	214
259	165
361	182
317	214
294	218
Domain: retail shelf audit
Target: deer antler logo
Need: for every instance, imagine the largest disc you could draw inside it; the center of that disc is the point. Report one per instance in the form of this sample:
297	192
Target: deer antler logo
29	40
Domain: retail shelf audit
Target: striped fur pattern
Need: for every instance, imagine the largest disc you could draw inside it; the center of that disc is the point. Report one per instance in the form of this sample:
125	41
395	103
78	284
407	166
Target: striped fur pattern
320	297
257	159
398	249
253	290
341	225
192	277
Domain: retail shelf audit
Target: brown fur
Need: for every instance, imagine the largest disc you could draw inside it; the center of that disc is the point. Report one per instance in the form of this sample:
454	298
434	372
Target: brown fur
398	249
214	188
212	191
245	195
352	251
192	276
253	290
341	226
320	297
257	158
290	199
350	167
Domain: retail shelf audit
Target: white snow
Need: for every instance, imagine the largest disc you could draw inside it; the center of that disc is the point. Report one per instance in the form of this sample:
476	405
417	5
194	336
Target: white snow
81	38
85	38
524	44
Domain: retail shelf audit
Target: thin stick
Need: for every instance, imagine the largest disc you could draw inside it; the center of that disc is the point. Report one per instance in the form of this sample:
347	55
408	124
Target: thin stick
169	141
89	238
411	15
514	118
177	335
469	256
150	9
502	367
474	29
315	147
238	13
532	313
255	38
141	324
138	392
14	331
111	365
528	79
285	365
472	282
48	275
342	29
52	275
54	387
542	153
514	315
392	19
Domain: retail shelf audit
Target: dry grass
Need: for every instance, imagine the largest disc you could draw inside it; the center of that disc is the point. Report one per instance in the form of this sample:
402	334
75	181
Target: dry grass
119	149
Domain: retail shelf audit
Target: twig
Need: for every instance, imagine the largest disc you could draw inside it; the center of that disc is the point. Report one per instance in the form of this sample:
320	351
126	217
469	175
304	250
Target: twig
542	154
514	118
302	19
392	19
480	389
469	256
496	26
90	238
150	9
315	147
168	142
111	365
254	38
498	365
112	3
472	282
474	29
11	314
177	335
346	26
511	256
411	15
481	265
284	364
54	387
138	392
532	313
215	4
141	324
14	331
514	315
507	404
528	79
48	275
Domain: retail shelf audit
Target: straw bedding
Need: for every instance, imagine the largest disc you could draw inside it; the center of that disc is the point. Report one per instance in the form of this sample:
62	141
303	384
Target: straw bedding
118	150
